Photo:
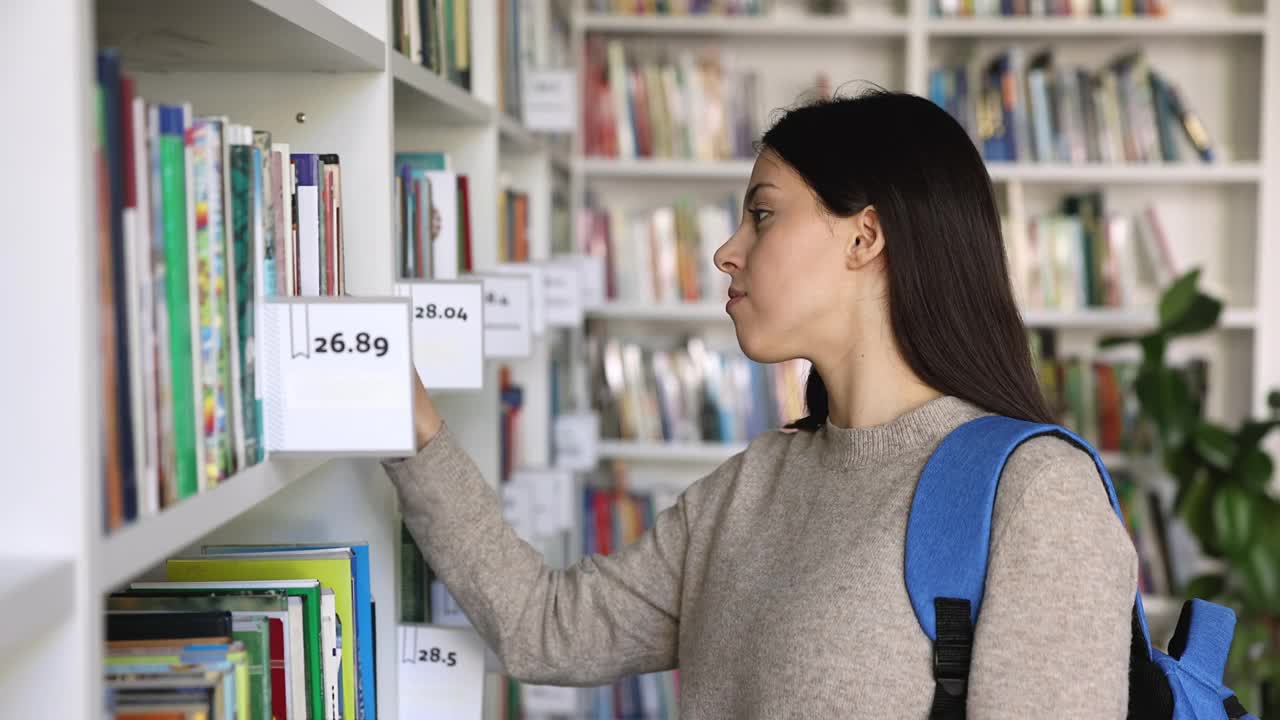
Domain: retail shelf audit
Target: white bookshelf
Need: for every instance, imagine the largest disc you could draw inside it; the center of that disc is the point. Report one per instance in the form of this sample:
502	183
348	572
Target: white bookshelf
38	592
132	550
1054	28
664	452
322	76
745	26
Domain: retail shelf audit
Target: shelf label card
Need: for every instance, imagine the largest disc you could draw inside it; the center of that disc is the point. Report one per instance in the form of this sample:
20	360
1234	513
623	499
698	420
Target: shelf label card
593	281
577	441
563	296
441	672
550	100
337	376
448	332
540	502
537	289
507	316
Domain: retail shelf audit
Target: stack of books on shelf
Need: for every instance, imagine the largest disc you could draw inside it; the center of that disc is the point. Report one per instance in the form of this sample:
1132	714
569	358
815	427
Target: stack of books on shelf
1020	109
436	34
257	632
681	7
199	219
660	255
613	518
690	107
1048	8
433	227
1084	256
691	393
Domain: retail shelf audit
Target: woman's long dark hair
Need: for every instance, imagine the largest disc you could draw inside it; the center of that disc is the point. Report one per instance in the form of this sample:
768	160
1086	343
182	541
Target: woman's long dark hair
950	303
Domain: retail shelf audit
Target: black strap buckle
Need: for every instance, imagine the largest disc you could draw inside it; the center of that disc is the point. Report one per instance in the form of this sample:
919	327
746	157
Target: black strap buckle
952	651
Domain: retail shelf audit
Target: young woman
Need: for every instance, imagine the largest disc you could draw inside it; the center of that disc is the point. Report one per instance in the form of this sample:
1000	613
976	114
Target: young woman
870	245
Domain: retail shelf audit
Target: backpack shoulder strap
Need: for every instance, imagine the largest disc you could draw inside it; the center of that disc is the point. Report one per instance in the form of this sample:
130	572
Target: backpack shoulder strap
949	537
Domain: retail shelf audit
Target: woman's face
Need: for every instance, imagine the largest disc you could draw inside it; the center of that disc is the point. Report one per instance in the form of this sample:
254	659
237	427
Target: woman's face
789	267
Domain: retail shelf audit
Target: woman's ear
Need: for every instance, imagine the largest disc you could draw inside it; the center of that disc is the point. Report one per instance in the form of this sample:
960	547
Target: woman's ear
865	241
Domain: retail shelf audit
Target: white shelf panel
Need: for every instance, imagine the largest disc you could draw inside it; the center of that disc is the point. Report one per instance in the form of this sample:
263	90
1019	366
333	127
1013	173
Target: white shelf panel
731	170
741	26
37	592
740	170
1173	26
700	312
664	452
1106	319
515	137
422	92
133	549
1154	173
230	35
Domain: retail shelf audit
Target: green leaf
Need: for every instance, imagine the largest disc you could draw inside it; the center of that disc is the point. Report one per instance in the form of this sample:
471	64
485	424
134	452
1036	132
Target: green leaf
1202	315
1207	586
1111	341
1178	298
1253	468
1215	445
1273	400
1234	518
1194	506
1153	347
1260	569
1252	432
1167	401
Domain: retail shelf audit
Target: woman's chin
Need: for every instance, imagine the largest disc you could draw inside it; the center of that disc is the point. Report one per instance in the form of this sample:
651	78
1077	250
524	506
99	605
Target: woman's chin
752	345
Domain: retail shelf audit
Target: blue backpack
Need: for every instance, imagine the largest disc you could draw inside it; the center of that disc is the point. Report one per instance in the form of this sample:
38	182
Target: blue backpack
948	536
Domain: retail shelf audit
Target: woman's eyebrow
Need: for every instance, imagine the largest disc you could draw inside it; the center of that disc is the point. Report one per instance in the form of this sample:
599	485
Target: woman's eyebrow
751	192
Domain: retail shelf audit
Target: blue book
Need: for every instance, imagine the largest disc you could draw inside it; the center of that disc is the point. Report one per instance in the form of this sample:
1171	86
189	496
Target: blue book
308	211
421	161
366	685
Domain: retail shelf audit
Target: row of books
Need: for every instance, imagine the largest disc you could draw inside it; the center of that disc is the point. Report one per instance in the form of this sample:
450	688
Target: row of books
693	107
681	7
613	518
1033	110
690	393
198	219
1084	256
254	632
663	254
433	226
1048	8
437	35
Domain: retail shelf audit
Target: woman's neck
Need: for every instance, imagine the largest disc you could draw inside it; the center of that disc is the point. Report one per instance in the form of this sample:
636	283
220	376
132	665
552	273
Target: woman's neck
871	386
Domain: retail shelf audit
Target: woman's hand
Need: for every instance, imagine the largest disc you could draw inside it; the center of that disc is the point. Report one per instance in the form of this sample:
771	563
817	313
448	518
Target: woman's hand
426	421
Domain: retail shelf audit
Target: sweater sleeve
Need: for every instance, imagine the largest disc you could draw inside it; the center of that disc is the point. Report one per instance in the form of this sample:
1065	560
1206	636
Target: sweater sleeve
1052	638
589	624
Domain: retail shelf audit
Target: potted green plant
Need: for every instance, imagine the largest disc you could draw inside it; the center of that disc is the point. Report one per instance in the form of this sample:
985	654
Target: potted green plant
1224	495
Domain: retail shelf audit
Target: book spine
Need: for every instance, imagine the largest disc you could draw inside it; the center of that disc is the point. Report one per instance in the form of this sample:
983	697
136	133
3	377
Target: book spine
307	210
166	453
228	304
242	278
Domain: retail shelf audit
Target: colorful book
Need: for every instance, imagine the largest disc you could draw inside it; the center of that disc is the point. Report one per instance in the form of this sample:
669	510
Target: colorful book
361	577
307	217
331	567
306	590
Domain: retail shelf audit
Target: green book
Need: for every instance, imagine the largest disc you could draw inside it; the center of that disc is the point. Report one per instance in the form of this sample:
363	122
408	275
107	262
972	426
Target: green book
308	590
255	633
243	162
173	184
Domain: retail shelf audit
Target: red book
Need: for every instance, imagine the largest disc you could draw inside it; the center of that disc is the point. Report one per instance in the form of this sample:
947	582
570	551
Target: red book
521	229
1110	418
278	676
602	513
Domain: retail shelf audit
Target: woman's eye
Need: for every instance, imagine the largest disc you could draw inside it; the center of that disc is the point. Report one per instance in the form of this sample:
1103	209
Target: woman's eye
759	215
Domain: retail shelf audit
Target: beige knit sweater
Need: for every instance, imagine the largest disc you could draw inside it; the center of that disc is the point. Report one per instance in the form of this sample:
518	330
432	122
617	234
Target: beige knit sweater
775	584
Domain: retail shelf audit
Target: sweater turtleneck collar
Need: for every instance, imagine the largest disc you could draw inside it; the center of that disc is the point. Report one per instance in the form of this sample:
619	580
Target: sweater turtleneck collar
920	428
